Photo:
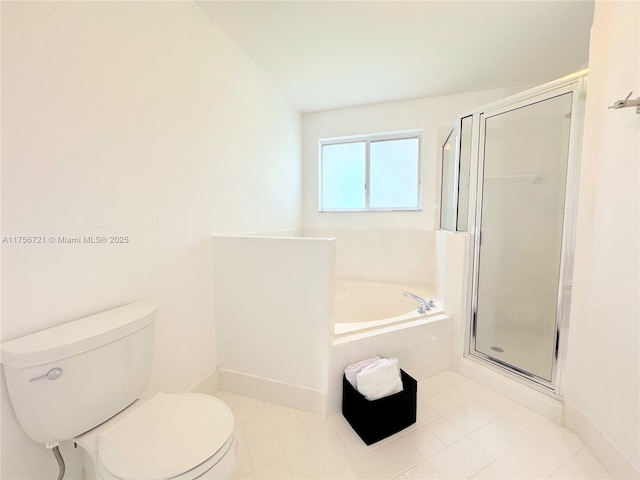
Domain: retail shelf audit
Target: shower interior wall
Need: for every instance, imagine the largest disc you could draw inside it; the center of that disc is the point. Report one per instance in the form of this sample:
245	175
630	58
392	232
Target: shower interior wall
530	213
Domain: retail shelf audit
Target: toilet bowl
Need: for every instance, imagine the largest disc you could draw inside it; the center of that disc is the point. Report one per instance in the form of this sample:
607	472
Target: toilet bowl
170	436
81	381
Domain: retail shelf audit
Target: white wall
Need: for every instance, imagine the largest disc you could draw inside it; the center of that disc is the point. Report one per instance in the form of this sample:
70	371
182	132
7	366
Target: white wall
138	119
274	303
603	367
396	256
432	115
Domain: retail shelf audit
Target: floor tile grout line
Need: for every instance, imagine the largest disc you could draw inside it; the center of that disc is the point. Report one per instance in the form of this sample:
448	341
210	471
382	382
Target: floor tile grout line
530	428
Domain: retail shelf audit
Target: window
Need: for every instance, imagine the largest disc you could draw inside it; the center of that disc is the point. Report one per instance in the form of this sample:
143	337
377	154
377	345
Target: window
373	172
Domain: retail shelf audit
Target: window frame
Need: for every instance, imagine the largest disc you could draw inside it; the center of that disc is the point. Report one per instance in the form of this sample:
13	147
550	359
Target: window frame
368	139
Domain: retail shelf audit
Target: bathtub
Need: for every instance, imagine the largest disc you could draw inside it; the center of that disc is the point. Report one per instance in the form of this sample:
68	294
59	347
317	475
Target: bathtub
362	306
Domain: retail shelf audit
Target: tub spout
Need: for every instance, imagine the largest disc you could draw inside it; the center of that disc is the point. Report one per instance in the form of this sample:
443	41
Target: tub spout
423	305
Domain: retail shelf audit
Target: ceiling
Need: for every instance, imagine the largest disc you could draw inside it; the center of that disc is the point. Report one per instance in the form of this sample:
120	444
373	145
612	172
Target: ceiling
333	54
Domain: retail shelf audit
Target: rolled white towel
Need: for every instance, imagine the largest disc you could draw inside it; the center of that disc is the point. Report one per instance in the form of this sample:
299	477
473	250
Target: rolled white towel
380	379
352	370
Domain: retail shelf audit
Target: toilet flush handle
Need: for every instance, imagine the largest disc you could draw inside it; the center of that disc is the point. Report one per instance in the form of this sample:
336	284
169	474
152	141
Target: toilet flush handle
53	374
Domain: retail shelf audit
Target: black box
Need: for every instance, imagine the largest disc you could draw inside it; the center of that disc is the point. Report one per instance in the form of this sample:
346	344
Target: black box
374	420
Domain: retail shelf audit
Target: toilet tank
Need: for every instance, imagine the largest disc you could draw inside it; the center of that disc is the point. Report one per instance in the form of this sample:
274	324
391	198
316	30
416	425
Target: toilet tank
70	378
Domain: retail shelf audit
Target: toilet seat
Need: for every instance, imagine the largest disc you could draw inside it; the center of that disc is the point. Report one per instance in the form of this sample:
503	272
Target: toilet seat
176	436
219	466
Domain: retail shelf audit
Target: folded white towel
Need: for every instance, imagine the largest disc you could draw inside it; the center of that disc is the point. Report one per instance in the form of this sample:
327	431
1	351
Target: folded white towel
380	379
352	370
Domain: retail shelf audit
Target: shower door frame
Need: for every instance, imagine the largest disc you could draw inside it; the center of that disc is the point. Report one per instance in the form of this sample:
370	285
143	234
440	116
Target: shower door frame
575	84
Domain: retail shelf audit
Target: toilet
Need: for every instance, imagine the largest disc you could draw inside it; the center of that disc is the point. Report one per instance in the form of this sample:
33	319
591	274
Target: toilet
80	381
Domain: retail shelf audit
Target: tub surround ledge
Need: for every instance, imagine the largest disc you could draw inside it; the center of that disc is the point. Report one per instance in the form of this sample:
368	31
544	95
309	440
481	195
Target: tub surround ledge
362	333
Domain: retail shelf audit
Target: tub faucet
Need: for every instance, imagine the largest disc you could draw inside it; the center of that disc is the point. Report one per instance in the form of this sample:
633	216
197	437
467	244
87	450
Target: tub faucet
423	305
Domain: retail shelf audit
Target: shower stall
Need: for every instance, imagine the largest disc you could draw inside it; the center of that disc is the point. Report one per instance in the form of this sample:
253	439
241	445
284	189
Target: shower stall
509	179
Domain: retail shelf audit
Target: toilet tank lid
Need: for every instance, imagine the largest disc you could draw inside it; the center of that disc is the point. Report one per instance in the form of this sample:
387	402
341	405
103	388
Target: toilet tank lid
77	336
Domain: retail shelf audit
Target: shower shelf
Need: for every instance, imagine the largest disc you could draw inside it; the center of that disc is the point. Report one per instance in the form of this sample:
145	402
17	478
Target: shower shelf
533	178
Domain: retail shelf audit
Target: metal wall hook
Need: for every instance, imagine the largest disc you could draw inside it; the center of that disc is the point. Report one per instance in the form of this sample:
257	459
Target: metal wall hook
627	103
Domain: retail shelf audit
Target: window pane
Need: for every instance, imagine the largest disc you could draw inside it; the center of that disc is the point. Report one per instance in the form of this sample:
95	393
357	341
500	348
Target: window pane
343	176
394	173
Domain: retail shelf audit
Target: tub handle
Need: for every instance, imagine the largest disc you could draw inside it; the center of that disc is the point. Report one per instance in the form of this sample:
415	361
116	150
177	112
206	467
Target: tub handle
423	305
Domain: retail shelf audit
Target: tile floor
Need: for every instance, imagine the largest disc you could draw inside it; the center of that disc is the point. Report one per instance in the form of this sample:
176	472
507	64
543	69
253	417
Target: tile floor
463	431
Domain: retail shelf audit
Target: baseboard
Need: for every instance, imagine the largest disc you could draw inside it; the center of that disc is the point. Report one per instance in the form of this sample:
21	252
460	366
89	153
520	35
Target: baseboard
616	462
209	384
286	394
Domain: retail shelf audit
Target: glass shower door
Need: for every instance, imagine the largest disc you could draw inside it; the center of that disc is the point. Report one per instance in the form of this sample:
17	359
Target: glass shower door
521	217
